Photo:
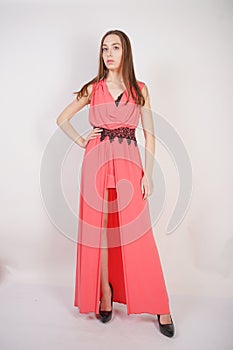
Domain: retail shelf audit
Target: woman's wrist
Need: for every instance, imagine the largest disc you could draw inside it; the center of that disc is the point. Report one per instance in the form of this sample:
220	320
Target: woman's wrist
81	142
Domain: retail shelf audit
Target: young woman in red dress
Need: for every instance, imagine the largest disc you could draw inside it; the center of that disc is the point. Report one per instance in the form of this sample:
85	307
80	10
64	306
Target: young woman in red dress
130	259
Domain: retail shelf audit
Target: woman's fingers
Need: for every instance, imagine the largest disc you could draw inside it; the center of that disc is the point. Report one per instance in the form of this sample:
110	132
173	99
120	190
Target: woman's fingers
142	187
145	193
92	135
148	184
96	132
146	187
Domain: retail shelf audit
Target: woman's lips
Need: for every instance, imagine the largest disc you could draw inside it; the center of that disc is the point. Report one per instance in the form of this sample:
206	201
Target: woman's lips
110	61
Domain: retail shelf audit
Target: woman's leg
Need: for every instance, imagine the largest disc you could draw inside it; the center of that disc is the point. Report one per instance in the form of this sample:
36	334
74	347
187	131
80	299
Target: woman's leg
105	288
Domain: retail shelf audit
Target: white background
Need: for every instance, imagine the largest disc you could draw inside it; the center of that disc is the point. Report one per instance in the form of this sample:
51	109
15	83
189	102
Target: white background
183	51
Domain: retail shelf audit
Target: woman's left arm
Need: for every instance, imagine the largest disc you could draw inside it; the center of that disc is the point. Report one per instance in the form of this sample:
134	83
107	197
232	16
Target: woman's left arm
148	130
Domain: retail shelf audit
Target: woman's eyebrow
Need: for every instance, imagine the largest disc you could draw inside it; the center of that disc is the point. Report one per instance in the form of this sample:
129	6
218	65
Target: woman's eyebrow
112	44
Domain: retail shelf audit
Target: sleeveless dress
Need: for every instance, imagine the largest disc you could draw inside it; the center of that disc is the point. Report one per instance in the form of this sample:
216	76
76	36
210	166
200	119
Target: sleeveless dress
114	162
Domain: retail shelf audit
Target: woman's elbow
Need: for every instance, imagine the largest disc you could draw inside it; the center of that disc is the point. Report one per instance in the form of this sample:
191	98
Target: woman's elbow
60	120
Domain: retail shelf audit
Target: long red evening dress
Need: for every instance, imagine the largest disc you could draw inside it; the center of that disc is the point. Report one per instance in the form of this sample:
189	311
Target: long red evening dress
134	265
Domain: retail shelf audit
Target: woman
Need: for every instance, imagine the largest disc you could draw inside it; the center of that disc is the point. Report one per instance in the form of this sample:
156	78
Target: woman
113	206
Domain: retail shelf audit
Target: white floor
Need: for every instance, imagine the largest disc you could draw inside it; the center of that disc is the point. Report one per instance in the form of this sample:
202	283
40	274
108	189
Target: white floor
43	317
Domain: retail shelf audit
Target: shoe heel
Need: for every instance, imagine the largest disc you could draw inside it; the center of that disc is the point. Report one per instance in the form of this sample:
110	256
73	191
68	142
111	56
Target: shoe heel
111	291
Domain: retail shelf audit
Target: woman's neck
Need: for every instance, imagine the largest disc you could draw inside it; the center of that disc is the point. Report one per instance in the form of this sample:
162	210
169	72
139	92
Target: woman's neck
114	77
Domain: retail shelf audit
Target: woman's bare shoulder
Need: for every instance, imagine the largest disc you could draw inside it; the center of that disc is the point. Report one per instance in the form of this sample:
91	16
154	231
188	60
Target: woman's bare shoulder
141	84
90	89
143	87
145	92
93	87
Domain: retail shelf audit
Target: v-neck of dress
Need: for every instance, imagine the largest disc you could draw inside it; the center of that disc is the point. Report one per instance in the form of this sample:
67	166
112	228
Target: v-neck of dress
122	93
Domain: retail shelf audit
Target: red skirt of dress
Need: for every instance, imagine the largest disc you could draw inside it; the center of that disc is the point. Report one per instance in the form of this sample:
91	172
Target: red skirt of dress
134	266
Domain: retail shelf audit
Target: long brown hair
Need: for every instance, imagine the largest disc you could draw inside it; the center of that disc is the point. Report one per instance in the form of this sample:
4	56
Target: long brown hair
127	70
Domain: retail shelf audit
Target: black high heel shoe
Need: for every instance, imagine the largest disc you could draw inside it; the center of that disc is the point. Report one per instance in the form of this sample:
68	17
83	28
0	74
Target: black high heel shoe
105	316
166	329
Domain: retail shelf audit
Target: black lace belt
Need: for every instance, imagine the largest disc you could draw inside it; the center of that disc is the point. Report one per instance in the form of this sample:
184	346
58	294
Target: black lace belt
122	132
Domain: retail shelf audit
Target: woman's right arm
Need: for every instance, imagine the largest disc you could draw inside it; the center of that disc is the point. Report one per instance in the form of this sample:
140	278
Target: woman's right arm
63	120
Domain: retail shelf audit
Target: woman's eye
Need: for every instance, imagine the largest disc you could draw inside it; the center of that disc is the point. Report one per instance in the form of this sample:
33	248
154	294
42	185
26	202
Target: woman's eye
105	48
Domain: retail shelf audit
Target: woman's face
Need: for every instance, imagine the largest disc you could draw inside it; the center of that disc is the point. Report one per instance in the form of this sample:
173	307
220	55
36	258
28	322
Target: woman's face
112	52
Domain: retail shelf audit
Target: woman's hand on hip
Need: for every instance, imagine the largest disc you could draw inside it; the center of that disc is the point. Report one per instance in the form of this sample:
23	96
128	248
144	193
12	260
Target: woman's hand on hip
92	135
